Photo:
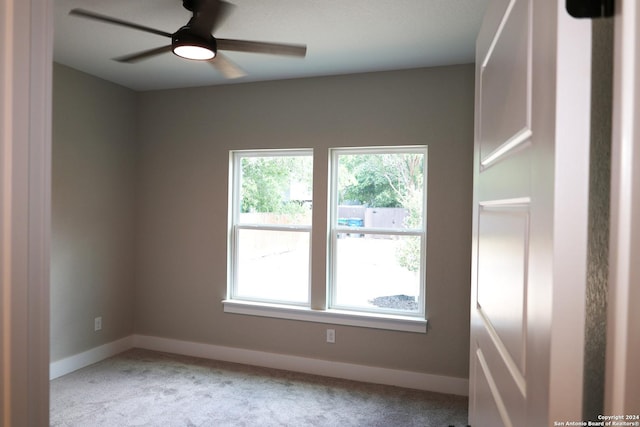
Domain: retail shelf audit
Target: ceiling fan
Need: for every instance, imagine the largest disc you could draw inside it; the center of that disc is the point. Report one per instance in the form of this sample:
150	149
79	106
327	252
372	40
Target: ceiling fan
195	40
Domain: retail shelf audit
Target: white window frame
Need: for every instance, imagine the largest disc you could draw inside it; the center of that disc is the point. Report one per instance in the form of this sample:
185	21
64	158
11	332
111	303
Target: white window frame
335	228
319	312
236	157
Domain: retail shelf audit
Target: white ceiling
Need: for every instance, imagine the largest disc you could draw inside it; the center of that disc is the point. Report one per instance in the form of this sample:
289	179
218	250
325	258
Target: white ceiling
342	37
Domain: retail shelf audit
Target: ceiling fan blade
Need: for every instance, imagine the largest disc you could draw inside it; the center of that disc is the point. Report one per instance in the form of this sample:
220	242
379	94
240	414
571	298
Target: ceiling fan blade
262	47
227	67
139	56
211	15
104	18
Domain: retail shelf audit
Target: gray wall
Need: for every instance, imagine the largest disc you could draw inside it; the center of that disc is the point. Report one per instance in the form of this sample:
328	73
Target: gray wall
139	207
184	138
92	249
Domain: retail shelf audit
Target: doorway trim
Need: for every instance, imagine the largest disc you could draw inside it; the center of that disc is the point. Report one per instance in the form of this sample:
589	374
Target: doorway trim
622	390
25	194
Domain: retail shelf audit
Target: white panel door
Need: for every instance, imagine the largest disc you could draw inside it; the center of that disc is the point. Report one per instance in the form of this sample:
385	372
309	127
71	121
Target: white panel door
530	215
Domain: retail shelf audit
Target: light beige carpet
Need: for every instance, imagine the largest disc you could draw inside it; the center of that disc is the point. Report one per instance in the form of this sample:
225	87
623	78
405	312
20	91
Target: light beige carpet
145	388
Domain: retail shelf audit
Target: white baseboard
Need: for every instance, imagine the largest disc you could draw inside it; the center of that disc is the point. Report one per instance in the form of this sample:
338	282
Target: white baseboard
77	361
349	371
370	374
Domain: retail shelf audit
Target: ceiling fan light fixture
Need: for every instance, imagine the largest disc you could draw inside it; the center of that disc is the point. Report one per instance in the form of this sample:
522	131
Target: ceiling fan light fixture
187	45
197	53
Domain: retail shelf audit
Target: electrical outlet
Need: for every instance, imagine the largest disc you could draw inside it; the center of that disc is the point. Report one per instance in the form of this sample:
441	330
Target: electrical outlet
331	336
97	324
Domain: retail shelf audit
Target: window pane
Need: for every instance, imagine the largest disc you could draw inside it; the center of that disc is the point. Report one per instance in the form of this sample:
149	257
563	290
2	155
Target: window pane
380	190
273	265
378	273
276	189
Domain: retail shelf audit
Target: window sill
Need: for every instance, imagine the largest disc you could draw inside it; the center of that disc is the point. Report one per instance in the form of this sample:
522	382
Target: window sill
335	317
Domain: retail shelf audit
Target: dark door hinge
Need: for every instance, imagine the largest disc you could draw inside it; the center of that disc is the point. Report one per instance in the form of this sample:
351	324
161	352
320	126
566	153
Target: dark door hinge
590	8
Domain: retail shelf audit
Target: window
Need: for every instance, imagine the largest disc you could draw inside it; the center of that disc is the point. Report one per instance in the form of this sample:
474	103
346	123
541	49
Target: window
373	235
271	226
378	230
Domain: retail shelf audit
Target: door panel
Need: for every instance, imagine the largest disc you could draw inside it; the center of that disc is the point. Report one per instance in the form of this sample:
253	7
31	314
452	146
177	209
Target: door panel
503	246
505	105
509	383
487	397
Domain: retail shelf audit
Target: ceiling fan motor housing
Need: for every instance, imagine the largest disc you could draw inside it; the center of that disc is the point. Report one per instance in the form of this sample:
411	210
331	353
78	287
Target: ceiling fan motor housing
186	37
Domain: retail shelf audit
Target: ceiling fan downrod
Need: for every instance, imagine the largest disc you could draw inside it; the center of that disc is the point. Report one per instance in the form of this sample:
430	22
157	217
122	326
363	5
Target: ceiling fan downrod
190	5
